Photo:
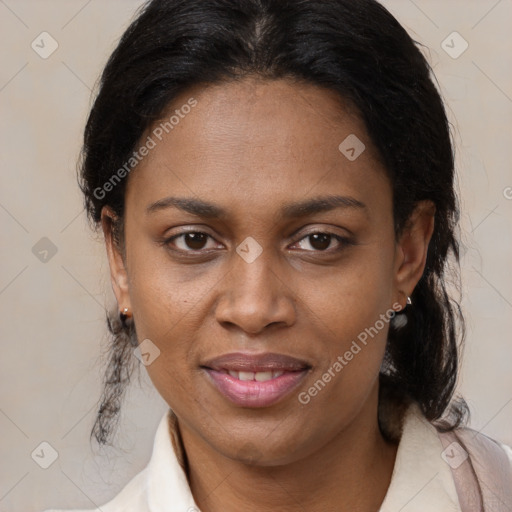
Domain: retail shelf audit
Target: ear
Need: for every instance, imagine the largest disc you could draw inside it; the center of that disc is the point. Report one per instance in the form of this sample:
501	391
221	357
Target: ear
116	260
411	250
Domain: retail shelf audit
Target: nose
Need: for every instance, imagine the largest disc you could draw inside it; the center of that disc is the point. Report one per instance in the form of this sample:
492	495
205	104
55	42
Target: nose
254	295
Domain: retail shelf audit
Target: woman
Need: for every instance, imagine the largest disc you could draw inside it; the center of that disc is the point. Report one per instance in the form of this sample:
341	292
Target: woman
275	183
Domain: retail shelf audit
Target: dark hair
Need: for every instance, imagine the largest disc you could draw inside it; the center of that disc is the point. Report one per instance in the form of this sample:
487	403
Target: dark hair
357	49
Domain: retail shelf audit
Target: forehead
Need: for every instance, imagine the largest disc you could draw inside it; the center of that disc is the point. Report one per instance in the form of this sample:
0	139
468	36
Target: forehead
253	140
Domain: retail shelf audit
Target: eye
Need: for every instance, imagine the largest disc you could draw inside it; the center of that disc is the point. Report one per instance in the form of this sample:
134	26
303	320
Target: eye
190	241
320	241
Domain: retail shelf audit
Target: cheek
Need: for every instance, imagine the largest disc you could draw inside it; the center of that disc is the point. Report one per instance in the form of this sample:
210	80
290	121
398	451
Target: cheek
170	304
351	297
163	308
352	310
163	294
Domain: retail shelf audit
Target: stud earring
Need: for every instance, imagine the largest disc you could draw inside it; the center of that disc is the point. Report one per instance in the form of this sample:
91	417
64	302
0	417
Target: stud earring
126	319
408	302
124	316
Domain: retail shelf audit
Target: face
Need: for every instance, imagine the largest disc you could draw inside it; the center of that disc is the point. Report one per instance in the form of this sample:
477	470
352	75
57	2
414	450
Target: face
258	254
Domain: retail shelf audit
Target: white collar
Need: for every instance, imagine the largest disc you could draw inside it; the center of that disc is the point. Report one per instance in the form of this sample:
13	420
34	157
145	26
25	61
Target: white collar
168	488
421	480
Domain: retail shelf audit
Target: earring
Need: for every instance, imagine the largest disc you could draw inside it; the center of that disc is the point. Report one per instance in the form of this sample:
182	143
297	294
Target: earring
400	318
126	319
408	302
124	316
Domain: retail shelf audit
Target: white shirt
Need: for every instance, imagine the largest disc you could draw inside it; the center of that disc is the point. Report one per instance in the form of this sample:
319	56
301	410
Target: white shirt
421	479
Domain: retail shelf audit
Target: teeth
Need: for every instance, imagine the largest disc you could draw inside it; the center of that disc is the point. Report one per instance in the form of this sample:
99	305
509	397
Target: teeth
262	376
257	376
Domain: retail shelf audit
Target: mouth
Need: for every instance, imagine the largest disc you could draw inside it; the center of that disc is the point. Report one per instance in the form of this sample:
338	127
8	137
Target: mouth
261	376
250	380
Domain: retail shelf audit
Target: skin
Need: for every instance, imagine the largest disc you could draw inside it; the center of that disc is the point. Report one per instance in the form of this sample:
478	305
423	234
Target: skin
250	147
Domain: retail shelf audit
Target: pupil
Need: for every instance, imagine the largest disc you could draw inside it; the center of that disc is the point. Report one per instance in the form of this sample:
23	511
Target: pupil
320	241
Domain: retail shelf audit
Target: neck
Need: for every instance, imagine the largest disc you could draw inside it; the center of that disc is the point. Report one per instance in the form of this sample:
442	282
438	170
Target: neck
350	472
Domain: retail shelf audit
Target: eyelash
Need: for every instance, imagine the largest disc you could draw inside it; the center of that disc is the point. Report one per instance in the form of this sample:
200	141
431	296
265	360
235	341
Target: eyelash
341	239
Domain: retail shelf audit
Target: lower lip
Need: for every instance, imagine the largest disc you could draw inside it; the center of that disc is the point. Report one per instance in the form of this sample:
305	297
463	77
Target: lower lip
251	393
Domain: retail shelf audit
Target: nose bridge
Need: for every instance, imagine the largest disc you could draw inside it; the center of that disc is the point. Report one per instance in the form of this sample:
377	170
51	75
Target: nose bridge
254	271
255	294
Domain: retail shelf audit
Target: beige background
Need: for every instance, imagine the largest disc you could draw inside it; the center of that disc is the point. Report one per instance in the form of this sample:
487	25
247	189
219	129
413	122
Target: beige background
52	313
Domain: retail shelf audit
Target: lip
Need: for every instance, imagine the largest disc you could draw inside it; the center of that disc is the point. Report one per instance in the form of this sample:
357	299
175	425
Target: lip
253	393
244	362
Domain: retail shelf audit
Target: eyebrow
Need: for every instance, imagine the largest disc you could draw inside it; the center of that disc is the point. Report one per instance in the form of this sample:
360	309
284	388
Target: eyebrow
208	210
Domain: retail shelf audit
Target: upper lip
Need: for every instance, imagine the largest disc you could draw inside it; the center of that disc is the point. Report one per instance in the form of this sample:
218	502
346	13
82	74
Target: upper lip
238	361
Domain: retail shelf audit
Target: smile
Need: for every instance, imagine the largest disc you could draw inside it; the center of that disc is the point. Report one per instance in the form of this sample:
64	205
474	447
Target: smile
255	380
246	390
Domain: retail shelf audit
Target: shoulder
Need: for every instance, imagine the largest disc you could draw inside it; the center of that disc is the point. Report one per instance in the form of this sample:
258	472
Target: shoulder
481	468
483	448
456	469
